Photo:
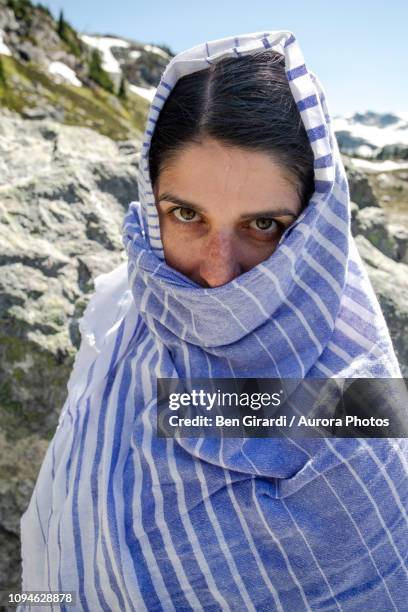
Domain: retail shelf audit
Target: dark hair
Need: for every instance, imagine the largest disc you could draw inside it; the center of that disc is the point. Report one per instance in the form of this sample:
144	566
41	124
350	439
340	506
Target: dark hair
240	101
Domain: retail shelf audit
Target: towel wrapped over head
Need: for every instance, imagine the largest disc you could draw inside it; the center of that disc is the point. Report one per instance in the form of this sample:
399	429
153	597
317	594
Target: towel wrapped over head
131	521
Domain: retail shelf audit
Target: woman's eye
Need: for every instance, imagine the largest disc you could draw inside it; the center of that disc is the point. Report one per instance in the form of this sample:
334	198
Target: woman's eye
265	224
184	214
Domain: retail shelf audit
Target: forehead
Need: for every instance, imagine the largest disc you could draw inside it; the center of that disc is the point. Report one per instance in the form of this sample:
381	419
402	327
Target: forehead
210	173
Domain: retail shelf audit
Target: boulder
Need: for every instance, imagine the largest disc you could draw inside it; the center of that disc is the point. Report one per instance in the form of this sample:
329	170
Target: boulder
371	222
361	191
390	283
400	235
63	194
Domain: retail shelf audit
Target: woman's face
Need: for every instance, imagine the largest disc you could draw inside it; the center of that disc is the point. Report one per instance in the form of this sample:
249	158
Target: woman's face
222	210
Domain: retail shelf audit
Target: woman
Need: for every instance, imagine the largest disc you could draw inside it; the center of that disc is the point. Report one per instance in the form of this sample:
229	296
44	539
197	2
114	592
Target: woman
240	264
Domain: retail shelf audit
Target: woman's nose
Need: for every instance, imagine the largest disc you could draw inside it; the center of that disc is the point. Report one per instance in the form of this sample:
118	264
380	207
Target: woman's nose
219	264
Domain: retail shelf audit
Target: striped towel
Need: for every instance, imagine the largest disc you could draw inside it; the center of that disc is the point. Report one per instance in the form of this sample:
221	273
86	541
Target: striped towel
130	521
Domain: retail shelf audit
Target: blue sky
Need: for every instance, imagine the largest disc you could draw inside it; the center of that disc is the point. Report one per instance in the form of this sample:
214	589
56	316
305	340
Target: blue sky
357	48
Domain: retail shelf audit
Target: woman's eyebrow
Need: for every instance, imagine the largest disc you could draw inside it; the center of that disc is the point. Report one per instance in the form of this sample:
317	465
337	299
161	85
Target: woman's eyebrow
277	212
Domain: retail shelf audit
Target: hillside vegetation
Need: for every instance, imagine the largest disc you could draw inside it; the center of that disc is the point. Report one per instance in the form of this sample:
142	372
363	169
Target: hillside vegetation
48	71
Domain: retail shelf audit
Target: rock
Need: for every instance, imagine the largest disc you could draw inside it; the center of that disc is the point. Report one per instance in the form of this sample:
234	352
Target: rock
385	179
400	235
61	209
361	191
63	193
45	111
33	53
128	147
19	461
390	282
393	151
8	20
371	222
354	217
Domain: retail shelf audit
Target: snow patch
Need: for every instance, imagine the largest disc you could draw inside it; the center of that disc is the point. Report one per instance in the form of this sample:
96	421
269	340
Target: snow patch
403	115
378	166
157	50
142	91
135	54
4	50
104	45
396	133
364	151
64	73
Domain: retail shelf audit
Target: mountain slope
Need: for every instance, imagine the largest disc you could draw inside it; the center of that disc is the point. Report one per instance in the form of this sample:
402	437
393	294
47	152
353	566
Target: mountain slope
49	70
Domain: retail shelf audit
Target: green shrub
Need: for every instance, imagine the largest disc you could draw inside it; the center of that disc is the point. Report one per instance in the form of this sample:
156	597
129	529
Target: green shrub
67	33
22	9
3	80
44	9
122	93
61	25
98	74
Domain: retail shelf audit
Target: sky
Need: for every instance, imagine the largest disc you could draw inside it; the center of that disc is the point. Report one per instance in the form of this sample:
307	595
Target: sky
357	48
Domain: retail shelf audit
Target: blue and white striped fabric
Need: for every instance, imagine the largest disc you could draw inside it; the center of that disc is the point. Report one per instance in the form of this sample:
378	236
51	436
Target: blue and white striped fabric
135	522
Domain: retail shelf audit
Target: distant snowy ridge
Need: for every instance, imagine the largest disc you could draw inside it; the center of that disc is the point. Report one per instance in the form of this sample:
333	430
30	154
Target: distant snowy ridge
366	134
140	64
374	167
